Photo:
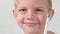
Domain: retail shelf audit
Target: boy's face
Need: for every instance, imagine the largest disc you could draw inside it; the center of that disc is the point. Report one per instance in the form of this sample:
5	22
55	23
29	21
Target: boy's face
31	15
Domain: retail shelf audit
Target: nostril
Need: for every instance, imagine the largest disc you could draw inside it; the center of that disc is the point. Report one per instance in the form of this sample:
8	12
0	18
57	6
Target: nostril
30	18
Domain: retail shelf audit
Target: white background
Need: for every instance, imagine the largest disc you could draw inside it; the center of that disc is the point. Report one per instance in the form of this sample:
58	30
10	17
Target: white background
8	25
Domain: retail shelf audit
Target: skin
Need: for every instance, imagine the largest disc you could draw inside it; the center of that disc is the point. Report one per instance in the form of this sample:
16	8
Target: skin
49	32
32	11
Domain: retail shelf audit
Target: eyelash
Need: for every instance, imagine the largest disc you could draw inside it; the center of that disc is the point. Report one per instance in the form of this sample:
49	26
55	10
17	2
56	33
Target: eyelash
37	11
22	10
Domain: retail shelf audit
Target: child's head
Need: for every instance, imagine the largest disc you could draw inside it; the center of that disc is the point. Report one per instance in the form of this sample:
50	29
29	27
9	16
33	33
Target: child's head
31	15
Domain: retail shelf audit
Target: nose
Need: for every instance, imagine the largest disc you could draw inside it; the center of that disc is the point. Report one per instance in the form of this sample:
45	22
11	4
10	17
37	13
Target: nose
30	16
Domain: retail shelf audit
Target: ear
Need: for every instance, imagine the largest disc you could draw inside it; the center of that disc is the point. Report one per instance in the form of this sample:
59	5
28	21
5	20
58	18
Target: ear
51	14
14	13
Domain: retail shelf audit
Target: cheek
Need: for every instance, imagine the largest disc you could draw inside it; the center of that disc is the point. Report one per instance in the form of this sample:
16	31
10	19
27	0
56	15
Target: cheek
20	19
42	20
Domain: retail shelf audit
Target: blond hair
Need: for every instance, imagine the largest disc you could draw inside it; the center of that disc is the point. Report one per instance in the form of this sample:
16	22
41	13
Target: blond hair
49	4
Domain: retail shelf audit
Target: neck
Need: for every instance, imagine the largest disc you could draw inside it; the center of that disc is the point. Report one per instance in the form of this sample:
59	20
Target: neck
33	33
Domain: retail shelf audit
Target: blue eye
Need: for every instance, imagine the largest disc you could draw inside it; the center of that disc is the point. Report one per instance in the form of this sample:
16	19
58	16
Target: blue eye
38	11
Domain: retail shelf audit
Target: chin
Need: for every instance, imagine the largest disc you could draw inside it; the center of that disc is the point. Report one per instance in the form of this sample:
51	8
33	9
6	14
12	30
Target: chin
30	29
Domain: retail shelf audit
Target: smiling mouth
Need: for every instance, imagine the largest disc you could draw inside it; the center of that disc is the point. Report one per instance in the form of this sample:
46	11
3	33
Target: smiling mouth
31	24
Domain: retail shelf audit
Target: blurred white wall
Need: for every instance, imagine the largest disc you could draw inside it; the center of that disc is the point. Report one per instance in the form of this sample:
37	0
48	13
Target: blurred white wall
8	24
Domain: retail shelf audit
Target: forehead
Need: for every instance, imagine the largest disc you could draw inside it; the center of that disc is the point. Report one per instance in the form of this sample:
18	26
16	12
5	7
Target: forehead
35	1
42	3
